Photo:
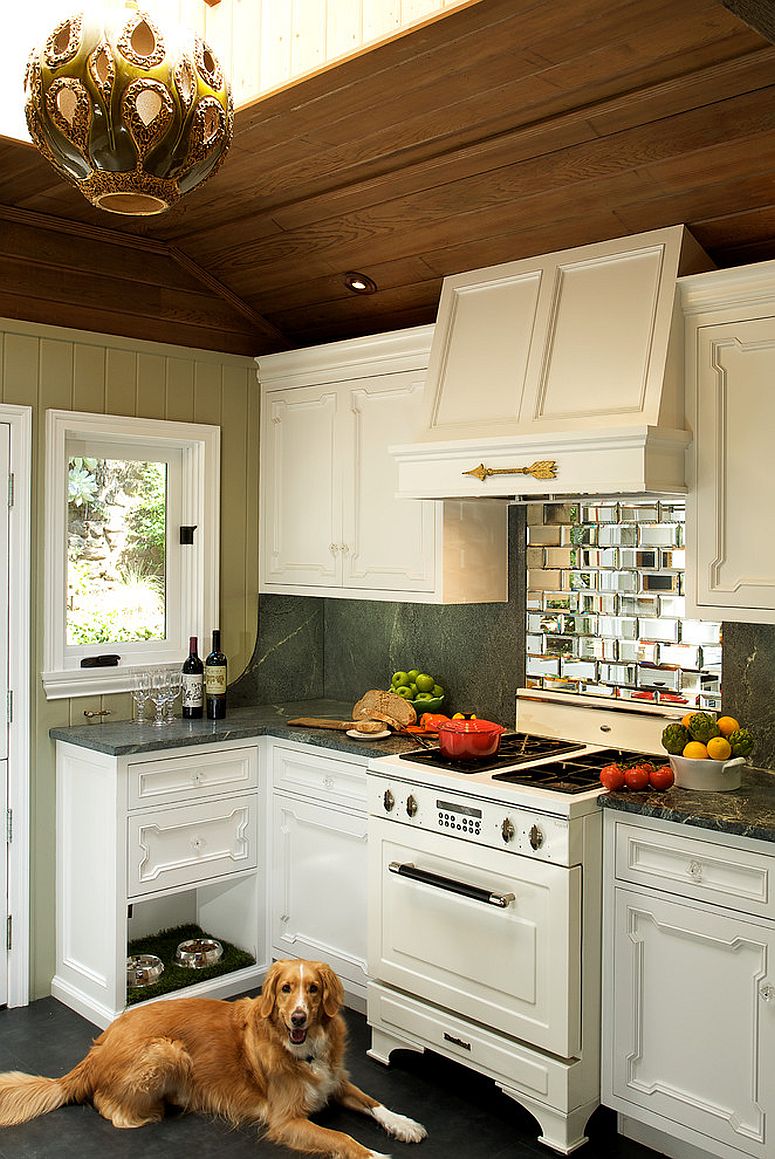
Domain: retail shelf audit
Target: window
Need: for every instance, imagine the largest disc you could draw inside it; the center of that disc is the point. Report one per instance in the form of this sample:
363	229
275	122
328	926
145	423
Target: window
122	578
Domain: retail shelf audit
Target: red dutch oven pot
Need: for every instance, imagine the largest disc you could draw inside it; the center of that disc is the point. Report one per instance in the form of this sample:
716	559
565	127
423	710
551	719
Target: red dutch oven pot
469	740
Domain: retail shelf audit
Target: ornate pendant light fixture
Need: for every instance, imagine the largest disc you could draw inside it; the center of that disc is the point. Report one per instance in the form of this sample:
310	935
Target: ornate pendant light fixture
134	115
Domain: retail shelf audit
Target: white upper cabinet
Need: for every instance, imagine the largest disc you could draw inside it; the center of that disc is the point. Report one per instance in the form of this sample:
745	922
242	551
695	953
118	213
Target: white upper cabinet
730	375
331	523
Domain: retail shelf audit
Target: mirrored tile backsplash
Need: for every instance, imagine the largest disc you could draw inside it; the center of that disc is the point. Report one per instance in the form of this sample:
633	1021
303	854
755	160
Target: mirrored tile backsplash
606	609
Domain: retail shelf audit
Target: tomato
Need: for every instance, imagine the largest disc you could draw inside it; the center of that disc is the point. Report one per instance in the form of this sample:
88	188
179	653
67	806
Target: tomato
661	778
637	777
612	777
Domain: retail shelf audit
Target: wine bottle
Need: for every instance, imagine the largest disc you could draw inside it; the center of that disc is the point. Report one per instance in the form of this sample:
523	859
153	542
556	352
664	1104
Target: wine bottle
215	680
193	683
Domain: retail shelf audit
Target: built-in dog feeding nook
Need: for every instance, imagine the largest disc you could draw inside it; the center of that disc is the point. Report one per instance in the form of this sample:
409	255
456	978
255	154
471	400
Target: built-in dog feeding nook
164	945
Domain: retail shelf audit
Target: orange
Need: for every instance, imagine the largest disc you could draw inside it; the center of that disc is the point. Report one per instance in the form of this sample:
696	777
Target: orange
727	725
719	748
695	750
685	719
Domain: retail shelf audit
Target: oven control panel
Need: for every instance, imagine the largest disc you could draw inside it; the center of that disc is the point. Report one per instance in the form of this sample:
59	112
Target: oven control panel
533	834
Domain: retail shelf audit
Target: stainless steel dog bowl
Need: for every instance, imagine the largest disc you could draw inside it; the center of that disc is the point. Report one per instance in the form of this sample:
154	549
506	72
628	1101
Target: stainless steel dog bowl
143	969
198	953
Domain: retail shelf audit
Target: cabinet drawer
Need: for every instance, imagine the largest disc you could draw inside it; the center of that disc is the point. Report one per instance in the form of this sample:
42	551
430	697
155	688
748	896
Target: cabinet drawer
321	777
191	844
191	778
691	867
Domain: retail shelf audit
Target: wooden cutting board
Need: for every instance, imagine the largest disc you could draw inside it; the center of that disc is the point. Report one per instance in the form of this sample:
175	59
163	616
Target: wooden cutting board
322	722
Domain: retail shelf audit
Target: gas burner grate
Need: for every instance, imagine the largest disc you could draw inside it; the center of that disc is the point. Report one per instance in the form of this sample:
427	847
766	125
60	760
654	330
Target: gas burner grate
515	748
576	775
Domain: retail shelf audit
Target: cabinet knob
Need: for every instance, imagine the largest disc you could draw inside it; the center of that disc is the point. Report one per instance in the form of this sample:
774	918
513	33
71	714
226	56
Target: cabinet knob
328	783
344	548
197	843
767	993
333	548
695	870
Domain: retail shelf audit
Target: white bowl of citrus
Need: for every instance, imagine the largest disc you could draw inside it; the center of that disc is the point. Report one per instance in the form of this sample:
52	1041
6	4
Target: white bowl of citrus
707	753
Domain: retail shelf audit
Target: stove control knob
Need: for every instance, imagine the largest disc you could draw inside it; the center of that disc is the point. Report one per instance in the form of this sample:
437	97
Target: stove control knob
388	801
411	806
507	830
536	837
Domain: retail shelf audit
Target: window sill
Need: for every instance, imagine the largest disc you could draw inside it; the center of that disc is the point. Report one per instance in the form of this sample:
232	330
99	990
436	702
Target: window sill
88	682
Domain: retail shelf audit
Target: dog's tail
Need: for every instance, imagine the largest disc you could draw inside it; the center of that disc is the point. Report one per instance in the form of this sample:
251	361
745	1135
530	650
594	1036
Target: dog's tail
26	1096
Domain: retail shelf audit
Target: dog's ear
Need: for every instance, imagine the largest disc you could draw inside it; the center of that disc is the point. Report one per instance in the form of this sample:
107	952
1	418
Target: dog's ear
333	994
266	999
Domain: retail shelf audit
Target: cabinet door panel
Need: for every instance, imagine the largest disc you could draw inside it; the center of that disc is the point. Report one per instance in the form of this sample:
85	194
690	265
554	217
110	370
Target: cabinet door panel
300	479
694	1027
731	571
319	894
389	541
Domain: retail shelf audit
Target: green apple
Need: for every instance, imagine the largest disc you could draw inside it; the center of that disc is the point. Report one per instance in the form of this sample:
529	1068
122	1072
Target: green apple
422	696
400	678
424	682
405	691
437	690
413	673
413	689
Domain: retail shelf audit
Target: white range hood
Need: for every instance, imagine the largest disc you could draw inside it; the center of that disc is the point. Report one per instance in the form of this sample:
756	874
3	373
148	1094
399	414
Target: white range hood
559	375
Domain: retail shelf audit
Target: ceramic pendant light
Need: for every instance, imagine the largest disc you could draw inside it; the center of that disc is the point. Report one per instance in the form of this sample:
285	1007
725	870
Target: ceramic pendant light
133	114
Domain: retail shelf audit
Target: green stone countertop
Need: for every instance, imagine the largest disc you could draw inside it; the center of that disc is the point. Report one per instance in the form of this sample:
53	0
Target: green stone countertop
747	812
122	737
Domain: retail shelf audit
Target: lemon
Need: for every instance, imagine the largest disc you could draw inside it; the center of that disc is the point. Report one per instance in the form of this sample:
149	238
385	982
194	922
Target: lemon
727	725
424	682
458	716
696	751
719	748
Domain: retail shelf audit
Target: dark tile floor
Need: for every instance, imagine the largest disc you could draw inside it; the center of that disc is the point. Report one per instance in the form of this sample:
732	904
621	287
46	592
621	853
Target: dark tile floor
466	1116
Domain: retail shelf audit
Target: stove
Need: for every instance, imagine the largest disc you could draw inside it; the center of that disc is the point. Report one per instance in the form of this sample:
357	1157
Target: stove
484	904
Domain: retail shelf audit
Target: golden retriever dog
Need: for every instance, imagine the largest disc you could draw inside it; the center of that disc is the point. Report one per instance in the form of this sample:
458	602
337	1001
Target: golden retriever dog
271	1060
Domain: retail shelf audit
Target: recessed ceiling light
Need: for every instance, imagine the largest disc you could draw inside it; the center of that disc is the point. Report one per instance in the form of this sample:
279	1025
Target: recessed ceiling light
360	283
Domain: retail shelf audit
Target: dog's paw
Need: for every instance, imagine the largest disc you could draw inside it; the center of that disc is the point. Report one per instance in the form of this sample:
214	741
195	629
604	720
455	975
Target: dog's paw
379	1155
401	1127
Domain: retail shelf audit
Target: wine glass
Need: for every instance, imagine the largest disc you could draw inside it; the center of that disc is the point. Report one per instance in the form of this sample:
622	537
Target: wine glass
160	693
175	684
141	691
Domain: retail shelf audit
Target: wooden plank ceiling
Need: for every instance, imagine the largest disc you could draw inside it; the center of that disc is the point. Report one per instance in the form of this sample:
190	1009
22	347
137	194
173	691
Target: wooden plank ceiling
505	129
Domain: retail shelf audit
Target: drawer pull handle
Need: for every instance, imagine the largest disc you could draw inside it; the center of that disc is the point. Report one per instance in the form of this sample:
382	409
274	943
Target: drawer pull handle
474	892
767	993
457	1041
695	870
197	843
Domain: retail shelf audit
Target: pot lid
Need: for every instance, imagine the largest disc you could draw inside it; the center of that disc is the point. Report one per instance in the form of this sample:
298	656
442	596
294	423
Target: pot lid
468	726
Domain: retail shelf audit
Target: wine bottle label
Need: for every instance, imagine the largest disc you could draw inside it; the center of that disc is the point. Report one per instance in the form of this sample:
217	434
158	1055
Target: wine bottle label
215	679
193	690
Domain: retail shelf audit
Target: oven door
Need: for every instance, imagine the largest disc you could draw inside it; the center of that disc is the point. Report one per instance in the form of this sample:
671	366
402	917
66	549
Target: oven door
487	934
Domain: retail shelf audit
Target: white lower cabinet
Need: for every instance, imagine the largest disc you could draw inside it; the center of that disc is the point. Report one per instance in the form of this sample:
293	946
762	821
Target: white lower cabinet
149	842
317	905
688	989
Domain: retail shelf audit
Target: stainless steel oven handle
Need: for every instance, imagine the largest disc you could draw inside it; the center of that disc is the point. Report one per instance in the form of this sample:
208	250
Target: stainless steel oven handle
475	892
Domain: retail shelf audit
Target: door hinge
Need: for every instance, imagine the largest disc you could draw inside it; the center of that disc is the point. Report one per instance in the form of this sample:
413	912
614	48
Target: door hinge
9	825
9	933
9	705
10	490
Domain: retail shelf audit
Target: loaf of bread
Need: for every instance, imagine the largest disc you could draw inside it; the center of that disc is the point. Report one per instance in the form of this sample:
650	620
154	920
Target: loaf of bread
389	707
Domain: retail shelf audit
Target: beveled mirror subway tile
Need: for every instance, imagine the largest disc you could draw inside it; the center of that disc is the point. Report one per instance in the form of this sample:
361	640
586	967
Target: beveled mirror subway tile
560	645
538	534
700	632
673	557
583	534
598	557
580	581
578	669
658	629
599	513
645	695
672	511
596	648
638	605
637	557
541	666
673	606
711	656
607	605
534	644
592	688
660	535
581	625
544	580
638	512
682	655
615	535
561	513
653	581
619	626
659	678
625	674
560	557
534	557
711	700
561	601
540	622
534	601
617	581
552	684
533	682
534	513
637	652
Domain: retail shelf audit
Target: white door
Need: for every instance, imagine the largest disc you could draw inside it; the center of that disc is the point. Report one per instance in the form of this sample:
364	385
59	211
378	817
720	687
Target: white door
301	484
389	542
694	1018
489	935
5	442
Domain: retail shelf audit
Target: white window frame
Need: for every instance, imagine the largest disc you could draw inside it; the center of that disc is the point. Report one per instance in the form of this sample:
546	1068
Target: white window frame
195	596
